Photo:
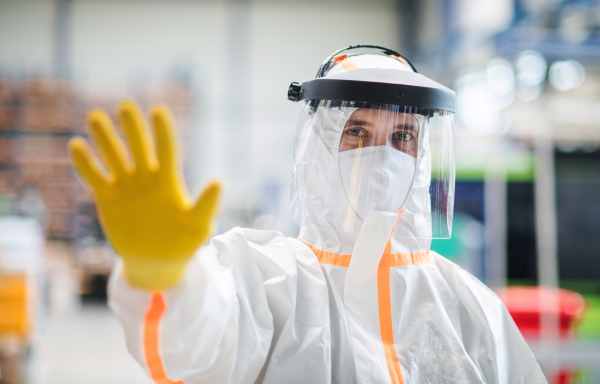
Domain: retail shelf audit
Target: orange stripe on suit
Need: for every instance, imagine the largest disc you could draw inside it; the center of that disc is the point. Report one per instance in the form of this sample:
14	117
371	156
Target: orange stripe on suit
152	341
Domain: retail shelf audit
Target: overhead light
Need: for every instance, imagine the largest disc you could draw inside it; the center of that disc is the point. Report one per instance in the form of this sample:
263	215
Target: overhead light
531	67
500	77
566	75
478	107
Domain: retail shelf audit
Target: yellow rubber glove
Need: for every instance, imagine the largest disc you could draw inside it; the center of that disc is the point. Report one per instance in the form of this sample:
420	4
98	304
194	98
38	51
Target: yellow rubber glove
142	202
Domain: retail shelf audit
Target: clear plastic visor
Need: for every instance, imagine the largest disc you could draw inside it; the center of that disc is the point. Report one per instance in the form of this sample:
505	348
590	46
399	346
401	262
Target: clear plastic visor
355	160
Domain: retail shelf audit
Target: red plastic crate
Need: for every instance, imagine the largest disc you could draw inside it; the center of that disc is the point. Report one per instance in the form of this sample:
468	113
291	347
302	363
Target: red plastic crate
527	304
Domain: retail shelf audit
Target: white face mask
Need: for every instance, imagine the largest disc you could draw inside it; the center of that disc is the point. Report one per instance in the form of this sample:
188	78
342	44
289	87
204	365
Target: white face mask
376	178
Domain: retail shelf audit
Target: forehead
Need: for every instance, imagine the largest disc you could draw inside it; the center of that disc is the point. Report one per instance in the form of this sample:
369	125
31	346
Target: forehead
378	116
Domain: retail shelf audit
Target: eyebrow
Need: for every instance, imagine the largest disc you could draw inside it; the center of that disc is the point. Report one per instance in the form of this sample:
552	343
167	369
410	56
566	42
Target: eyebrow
359	123
407	127
412	126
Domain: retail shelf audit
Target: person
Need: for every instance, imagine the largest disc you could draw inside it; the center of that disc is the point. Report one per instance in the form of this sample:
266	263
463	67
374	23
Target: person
358	297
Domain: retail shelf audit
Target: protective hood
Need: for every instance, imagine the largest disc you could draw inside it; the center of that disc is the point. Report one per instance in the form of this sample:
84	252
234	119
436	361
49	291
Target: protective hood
364	160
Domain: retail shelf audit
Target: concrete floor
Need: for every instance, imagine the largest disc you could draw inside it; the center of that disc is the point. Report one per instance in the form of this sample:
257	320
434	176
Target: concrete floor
84	346
75	342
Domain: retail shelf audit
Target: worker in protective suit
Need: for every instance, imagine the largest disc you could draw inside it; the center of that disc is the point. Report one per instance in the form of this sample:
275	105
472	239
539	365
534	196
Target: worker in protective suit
358	297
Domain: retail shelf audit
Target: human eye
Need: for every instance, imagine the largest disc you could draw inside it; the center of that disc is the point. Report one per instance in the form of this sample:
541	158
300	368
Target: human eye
355	132
403	135
354	137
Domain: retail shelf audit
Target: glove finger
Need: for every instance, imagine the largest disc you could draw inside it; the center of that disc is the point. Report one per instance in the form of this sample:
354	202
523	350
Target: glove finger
85	163
111	148
166	145
206	205
138	137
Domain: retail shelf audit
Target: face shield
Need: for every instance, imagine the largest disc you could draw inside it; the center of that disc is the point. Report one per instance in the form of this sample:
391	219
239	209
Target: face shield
374	138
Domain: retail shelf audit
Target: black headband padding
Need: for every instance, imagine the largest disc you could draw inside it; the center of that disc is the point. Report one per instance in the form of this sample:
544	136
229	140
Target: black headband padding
378	93
380	86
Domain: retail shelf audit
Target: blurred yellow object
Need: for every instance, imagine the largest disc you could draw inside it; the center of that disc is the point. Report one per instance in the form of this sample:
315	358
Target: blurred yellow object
13	305
143	204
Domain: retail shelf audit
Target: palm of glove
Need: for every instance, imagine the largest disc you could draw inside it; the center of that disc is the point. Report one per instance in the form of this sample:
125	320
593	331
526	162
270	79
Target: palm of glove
142	202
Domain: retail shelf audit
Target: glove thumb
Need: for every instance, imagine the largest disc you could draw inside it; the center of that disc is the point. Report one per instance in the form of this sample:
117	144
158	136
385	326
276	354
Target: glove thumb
206	206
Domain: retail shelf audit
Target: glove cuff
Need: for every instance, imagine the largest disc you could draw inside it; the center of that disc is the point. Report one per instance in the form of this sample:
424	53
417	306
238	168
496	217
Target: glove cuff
154	275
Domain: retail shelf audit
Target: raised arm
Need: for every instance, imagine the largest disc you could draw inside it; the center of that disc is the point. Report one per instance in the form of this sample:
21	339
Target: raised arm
184	317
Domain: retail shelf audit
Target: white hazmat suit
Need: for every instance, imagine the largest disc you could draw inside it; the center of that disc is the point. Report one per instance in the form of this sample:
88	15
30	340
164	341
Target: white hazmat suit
358	297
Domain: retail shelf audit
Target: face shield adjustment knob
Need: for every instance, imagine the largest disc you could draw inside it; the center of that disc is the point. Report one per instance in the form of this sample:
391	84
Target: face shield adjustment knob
295	91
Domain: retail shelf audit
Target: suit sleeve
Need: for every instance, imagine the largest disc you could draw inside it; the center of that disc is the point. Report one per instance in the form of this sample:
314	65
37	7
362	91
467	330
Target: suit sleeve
495	343
206	329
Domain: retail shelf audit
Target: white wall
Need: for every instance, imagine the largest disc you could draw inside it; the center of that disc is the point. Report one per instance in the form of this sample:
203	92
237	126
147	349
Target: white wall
26	37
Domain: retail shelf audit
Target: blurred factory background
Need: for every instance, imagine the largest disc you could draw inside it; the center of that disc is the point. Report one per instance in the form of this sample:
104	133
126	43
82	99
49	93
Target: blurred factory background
527	133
